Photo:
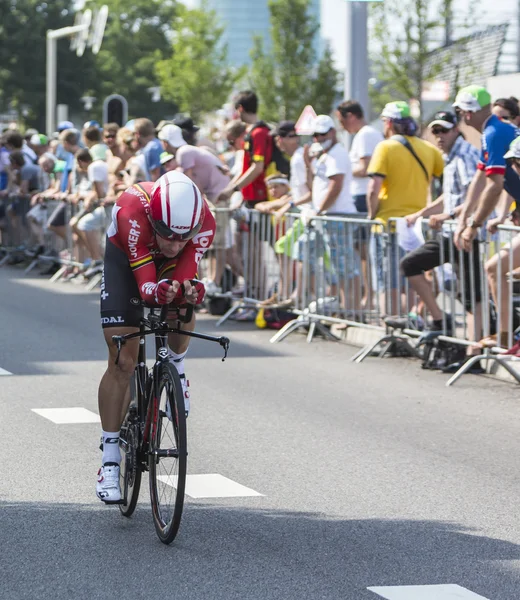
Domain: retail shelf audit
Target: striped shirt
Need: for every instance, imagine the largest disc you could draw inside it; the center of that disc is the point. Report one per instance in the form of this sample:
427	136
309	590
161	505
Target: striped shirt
459	167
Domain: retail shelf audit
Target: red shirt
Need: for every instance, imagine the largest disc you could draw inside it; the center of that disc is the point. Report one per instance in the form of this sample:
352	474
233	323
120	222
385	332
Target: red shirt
132	232
258	145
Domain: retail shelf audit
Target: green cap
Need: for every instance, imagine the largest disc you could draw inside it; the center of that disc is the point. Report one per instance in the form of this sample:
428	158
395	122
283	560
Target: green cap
396	110
472	98
165	157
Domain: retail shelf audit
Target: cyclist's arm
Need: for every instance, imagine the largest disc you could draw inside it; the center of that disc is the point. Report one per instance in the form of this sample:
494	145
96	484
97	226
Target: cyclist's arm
130	233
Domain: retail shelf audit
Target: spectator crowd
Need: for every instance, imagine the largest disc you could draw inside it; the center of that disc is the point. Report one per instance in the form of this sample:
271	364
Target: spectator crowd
348	214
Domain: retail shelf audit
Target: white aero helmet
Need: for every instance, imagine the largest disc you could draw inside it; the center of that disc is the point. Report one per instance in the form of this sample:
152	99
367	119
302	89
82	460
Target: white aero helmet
177	209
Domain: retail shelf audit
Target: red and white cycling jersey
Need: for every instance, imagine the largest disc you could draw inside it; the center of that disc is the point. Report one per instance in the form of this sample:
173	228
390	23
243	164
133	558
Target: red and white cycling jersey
132	232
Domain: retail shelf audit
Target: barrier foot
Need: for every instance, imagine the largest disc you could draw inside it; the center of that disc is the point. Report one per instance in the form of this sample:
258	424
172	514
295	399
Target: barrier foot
320	328
94	281
466	366
364	352
59	274
230	312
31	266
287	329
4	260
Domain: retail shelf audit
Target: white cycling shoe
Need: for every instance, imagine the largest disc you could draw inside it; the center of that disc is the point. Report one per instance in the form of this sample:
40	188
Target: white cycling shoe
107	486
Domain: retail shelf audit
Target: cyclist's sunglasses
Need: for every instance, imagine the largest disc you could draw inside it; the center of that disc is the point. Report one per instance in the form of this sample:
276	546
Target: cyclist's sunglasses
162	230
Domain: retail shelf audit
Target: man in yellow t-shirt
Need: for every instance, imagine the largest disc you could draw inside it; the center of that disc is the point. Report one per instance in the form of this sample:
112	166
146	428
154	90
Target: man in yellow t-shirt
400	170
399	184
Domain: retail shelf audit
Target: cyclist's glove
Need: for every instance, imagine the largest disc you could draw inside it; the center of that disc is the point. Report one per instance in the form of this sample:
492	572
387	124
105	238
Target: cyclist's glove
161	290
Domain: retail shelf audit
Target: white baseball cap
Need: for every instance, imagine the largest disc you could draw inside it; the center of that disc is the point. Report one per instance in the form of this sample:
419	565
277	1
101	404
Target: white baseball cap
173	135
323	124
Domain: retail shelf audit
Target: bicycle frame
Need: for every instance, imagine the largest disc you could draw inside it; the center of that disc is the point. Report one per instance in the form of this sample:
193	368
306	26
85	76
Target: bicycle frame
157	325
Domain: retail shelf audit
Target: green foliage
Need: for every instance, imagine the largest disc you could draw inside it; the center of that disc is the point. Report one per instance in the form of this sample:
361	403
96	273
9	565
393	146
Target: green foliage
136	37
196	74
403	34
289	76
23	27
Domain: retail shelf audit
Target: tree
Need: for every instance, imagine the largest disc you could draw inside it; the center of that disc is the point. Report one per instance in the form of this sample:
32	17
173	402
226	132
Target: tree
23	27
196	74
289	75
136	37
403	35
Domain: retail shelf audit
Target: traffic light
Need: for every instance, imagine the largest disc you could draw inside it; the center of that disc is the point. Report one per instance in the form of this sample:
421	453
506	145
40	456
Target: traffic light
115	110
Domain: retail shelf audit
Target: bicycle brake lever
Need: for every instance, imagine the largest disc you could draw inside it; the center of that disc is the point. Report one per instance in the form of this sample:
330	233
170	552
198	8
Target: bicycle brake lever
224	342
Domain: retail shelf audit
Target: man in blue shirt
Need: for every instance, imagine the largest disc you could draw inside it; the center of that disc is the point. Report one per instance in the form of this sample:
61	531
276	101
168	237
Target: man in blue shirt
150	147
473	104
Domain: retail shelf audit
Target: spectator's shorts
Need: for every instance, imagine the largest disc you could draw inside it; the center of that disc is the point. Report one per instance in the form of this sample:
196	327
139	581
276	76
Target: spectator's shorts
428	256
223	236
385	255
332	242
58	217
95	220
120	298
38	213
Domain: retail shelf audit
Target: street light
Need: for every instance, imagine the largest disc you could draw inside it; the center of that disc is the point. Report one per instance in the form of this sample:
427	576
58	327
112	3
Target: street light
82	25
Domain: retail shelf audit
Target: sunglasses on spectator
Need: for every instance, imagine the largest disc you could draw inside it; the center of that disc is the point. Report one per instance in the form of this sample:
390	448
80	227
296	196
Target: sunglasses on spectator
110	136
439	130
316	135
290	135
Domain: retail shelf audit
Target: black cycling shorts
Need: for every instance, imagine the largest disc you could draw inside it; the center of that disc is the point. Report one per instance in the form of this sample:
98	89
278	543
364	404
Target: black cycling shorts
120	299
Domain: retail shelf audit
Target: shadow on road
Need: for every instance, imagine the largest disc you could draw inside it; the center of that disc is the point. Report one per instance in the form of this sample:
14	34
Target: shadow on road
65	551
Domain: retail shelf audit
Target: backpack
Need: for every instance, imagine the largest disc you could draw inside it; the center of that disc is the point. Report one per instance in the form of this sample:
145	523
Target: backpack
280	163
438	354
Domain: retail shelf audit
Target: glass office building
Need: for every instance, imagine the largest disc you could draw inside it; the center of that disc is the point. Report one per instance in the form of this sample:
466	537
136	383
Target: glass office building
243	20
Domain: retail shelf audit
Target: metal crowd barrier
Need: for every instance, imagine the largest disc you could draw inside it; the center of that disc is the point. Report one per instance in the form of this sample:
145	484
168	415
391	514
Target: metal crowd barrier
26	237
346	271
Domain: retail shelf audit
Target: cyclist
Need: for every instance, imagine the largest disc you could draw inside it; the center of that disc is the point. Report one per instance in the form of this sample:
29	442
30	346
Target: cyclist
159	232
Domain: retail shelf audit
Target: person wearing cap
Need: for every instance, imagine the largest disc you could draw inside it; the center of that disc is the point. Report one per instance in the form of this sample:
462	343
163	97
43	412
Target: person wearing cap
208	173
39	143
400	170
62	125
189	130
461	159
168	162
473	105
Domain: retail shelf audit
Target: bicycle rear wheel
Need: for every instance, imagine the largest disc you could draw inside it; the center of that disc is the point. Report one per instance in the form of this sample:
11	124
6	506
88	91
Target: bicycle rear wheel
131	468
168	454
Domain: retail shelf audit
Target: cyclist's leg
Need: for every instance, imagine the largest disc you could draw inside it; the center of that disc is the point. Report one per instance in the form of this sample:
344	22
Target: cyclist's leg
121	312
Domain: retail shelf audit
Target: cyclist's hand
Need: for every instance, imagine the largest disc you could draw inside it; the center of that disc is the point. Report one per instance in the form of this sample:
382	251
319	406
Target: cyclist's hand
166	291
194	293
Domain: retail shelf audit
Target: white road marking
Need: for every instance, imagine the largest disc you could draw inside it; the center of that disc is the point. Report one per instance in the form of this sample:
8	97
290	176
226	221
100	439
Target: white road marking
67	416
212	485
4	372
448	591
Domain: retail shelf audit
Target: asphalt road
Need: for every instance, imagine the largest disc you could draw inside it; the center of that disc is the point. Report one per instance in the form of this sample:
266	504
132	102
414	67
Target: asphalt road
369	475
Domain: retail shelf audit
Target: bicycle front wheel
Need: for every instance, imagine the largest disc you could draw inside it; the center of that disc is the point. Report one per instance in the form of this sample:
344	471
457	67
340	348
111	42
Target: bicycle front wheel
168	454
